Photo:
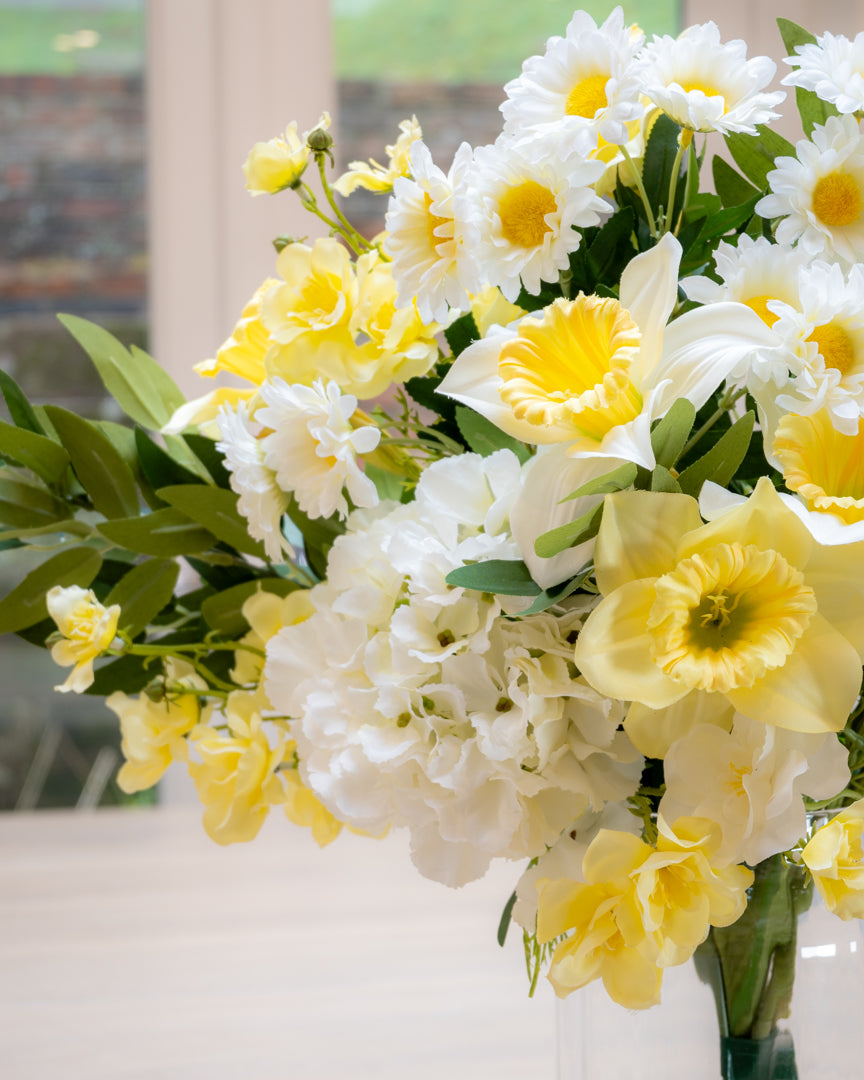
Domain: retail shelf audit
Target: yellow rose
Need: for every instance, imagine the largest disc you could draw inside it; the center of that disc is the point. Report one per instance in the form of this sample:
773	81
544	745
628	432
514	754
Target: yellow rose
266	614
153	731
87	630
835	858
279	163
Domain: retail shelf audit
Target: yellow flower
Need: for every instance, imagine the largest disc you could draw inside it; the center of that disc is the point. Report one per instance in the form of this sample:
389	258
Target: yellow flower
303	807
822	464
748	611
153	731
278	163
375	177
87	630
490	308
237	778
266	614
835	858
243	353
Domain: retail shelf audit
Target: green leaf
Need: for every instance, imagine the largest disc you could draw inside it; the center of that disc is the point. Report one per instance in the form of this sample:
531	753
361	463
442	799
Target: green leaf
19	407
616	480
128	674
660	154
318	536
216	510
502	577
142	388
566	536
506	915
483	437
725	221
165	533
722	460
26	505
730	185
663	480
387	484
811	108
143	592
670	435
197	451
224	610
754	154
550	597
25	605
35	452
161	469
613	248
461	333
99	466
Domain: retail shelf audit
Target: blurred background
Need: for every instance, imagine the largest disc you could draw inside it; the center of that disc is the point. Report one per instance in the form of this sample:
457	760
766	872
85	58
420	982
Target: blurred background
123	127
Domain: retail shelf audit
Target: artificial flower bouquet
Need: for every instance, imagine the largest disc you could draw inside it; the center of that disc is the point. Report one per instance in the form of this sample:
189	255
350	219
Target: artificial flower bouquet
535	524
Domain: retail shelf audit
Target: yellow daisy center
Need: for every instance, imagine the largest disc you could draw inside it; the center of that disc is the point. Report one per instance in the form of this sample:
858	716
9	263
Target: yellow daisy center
433	223
725	616
570	368
735	782
759	304
837	199
835	346
707	89
822	464
523	211
587	97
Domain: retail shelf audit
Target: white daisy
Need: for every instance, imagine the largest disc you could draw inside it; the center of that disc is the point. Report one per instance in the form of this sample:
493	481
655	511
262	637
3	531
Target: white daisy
584	87
312	446
432	263
261	500
833	68
526	214
706	85
820	192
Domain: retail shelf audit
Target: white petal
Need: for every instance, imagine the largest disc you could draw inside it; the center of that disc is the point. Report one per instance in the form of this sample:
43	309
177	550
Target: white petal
649	287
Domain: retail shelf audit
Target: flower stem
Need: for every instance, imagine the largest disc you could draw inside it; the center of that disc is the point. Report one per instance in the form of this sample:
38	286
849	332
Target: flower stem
643	195
684	141
726	403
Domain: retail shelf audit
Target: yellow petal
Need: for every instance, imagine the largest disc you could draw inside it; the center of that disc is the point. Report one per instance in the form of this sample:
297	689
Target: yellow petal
639	535
836	575
652	731
613	854
631	980
613	650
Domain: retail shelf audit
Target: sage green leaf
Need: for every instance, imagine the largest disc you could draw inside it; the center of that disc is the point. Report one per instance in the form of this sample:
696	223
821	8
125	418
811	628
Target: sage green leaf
730	185
725	221
26	605
165	533
504	577
215	509
387	484
143	592
754	154
19	407
35	452
128	674
483	437
60	529
200	453
550	597
506	914
566	536
224	610
663	480
26	505
99	466
142	388
161	468
615	480
721	462
670	435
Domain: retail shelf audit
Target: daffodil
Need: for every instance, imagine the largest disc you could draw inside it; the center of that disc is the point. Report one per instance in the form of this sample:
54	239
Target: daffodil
835	857
594	372
748	611
86	630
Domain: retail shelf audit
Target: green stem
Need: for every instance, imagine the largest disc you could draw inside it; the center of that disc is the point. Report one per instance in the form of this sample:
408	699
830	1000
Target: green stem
346	224
310	203
643	195
684	141
726	403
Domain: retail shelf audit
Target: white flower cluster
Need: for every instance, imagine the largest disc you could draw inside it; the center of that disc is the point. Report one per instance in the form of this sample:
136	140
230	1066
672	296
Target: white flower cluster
419	704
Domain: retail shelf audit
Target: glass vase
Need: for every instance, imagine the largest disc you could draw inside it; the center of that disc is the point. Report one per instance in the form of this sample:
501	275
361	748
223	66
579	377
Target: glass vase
779	995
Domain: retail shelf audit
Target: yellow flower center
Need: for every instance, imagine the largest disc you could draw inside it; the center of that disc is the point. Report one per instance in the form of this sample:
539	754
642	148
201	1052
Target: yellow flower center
759	304
570	368
735	782
822	464
707	89
433	223
587	97
523	211
835	346
837	199
725	616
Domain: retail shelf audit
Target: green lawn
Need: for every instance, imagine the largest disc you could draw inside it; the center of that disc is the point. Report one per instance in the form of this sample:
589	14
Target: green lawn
30	36
463	40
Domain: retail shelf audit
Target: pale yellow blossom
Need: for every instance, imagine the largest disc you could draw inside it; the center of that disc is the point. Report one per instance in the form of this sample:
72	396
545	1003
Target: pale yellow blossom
375	177
835	858
279	163
87	630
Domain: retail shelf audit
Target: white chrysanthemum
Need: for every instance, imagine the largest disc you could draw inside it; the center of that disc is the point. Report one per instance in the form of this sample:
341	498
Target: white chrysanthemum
261	501
425	220
419	704
582	89
312	447
526	215
750	781
819	193
763	276
833	68
707	85
823	343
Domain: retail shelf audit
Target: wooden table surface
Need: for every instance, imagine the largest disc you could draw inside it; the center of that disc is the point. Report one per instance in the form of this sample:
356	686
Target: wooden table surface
131	946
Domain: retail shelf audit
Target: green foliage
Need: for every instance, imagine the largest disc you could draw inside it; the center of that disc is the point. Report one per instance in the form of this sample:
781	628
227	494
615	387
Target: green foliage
27	505
25	605
163	533
461	333
669	435
35	452
216	511
730	185
721	462
19	407
483	437
556	540
811	108
755	154
143	592
223	610
501	577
